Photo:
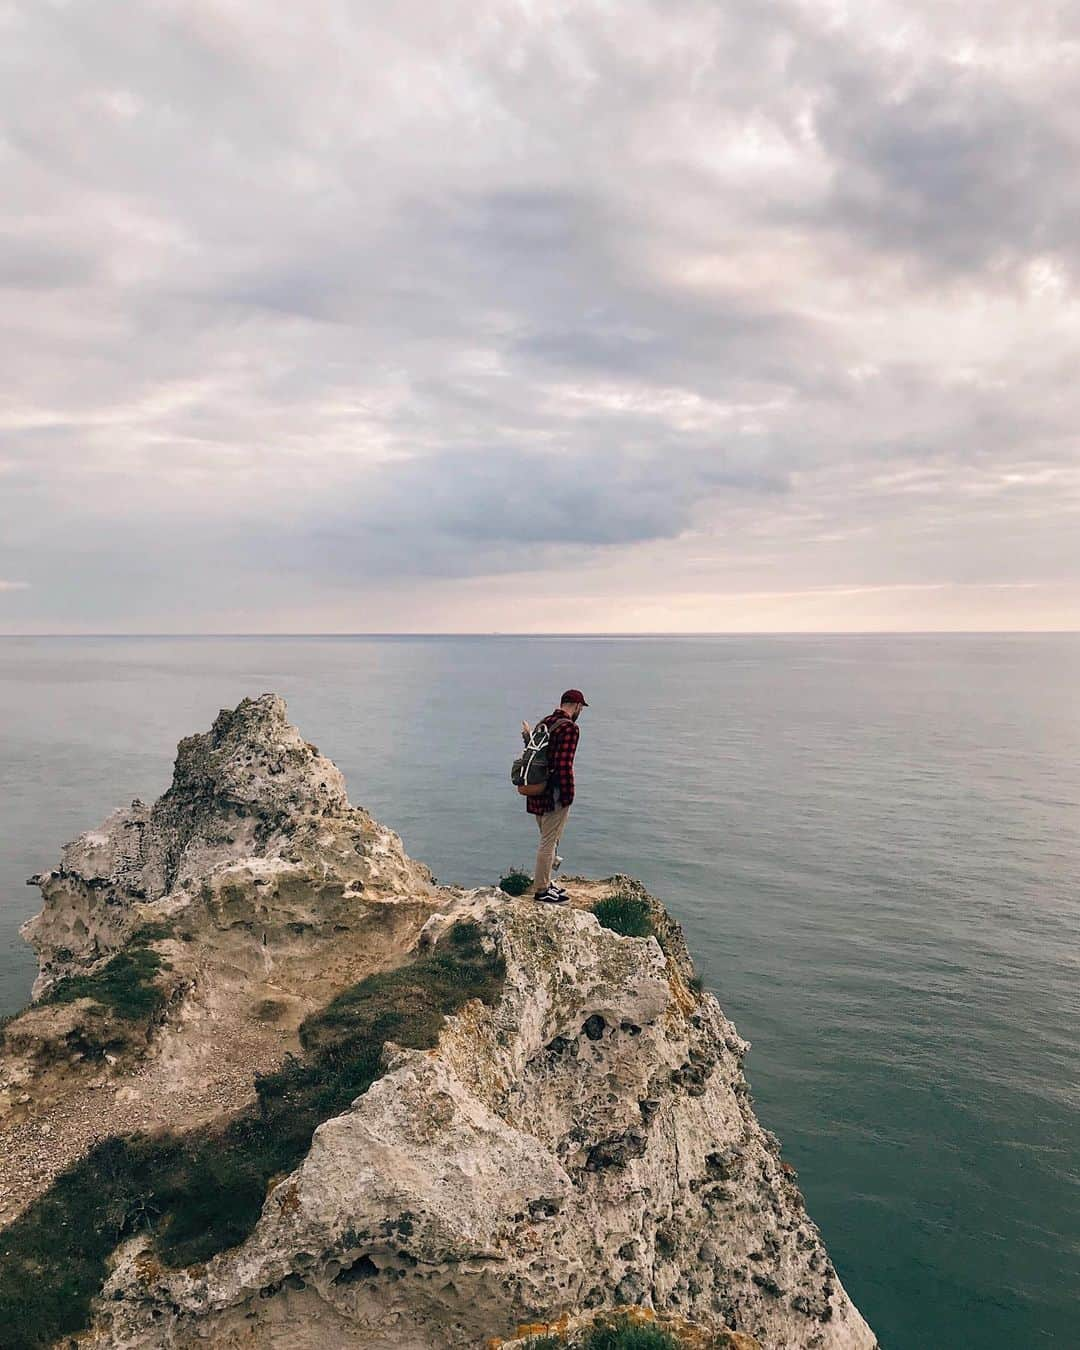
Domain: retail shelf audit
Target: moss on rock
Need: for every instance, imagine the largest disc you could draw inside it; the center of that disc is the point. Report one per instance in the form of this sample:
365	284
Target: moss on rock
126	985
630	915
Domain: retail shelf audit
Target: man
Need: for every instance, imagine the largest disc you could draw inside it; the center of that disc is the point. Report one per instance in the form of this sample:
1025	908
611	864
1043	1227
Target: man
552	806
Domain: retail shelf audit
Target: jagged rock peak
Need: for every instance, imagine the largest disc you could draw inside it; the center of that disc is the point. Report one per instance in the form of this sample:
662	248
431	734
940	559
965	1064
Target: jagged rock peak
249	788
253	758
237	790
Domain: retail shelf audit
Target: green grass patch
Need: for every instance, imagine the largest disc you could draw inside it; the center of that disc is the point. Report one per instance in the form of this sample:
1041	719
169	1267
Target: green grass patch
611	1333
516	882
621	1334
203	1192
154	931
625	914
125	984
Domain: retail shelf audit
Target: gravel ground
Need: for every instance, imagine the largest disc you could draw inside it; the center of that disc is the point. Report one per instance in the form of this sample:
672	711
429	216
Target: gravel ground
35	1150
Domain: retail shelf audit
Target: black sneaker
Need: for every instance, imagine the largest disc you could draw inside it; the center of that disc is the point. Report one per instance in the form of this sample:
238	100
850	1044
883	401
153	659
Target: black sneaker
560	891
551	896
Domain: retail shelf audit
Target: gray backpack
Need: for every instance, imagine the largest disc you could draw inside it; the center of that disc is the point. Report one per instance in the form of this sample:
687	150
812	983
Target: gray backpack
529	773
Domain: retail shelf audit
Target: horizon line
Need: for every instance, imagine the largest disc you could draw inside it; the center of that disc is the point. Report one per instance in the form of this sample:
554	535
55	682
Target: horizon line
622	633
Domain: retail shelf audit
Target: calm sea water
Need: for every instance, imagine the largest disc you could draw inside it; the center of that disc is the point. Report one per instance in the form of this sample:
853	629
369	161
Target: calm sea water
873	844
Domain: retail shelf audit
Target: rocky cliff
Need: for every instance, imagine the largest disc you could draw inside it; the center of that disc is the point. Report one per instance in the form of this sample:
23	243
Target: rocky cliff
280	1089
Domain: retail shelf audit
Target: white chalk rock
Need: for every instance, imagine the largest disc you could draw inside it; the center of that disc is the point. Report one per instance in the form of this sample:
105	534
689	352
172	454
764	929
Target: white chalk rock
587	1142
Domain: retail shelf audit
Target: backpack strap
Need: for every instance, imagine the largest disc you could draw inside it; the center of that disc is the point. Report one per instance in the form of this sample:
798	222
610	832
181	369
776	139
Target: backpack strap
531	743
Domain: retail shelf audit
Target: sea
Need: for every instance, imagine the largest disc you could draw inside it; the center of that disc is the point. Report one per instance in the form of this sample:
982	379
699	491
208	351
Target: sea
872	842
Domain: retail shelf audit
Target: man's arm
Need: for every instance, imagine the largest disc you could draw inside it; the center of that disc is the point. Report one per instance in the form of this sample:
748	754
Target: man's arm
562	760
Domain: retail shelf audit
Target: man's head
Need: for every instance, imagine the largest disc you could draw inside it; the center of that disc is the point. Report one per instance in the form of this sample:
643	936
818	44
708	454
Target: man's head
572	702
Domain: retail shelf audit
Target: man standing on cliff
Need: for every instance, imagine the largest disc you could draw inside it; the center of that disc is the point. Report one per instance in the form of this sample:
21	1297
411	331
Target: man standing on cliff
552	806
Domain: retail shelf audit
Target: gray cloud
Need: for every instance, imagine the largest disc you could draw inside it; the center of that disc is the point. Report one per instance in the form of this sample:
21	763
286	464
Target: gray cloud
955	172
478	291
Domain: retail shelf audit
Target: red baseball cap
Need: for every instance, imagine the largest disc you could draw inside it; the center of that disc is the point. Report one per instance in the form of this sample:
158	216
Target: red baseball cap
573	696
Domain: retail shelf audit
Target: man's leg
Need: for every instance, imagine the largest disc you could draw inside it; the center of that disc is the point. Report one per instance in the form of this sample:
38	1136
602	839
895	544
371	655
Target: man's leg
556	861
551	826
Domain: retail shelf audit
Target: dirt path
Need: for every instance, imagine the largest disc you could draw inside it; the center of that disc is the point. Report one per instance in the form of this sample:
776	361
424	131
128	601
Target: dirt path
35	1150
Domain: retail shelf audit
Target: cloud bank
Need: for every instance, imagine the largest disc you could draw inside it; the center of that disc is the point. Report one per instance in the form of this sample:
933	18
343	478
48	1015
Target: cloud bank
538	315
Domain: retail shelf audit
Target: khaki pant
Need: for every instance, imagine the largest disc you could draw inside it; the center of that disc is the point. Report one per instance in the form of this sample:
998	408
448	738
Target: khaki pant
551	827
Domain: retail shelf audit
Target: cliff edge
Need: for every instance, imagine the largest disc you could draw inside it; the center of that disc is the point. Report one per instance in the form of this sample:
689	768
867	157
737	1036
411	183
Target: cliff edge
280	1089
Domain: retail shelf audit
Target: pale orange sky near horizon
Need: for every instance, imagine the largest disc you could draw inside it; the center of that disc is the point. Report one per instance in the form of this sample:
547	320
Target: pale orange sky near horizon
865	610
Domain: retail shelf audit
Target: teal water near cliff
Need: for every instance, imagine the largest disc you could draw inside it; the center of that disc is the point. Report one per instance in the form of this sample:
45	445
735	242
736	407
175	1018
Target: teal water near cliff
872	842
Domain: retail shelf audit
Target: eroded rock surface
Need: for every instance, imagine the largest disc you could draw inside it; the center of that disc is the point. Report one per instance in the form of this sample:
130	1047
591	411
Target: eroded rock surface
588	1141
585	1142
250	791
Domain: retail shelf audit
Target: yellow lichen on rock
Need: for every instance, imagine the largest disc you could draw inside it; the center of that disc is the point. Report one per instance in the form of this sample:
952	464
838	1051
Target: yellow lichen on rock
573	1330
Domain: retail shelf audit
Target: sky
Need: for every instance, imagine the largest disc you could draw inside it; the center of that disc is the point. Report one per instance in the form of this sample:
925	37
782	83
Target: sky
539	316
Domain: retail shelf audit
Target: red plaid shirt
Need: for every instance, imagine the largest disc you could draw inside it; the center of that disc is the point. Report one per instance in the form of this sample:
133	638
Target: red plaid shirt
561	748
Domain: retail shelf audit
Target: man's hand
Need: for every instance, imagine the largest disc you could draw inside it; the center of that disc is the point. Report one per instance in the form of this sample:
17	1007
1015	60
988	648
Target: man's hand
526	730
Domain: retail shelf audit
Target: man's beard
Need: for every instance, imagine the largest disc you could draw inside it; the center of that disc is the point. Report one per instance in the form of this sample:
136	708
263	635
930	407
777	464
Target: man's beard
575	715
